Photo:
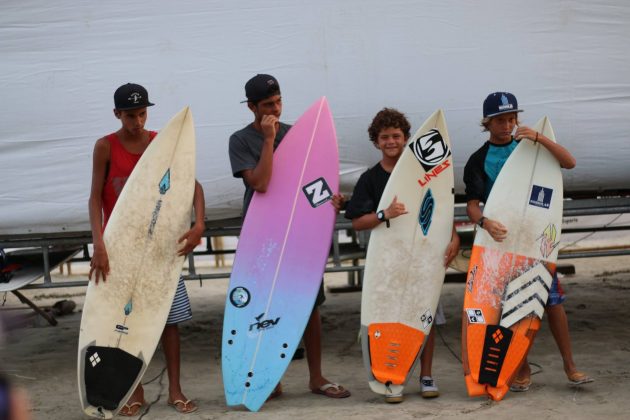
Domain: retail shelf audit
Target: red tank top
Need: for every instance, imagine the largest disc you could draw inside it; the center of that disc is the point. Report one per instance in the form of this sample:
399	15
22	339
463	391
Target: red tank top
121	164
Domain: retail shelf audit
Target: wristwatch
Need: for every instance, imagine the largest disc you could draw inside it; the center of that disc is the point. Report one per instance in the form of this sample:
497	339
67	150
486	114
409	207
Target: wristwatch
380	215
480	222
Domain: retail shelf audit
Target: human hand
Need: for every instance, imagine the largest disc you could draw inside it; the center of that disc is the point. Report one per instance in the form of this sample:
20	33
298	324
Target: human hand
395	209
338	201
495	229
269	125
99	264
192	238
452	249
524	132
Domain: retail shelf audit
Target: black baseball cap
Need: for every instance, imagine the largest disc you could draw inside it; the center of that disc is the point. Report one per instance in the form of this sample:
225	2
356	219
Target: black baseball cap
131	96
261	87
498	103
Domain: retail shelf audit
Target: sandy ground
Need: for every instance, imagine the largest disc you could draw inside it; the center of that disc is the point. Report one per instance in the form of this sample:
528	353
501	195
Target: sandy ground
42	358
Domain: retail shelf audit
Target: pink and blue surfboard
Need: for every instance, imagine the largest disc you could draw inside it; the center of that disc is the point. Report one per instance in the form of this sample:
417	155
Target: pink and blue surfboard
280	260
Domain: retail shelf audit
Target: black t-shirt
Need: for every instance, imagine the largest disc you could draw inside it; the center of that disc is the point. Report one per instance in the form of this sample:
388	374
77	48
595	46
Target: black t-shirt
245	149
367	193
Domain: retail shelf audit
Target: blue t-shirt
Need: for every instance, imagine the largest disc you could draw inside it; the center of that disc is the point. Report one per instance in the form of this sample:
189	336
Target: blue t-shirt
495	159
483	167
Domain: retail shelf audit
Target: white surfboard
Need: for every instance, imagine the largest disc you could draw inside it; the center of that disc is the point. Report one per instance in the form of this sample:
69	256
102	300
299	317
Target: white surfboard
404	268
508	282
123	318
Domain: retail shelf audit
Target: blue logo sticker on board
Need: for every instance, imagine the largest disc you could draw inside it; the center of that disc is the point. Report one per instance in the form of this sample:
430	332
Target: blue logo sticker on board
426	212
541	196
165	183
128	307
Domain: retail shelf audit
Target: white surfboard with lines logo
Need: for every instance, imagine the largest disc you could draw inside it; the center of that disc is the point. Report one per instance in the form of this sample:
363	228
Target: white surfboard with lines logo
123	318
404	268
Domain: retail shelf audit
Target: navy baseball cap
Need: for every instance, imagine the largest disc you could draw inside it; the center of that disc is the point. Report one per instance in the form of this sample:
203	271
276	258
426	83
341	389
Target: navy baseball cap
261	87
131	96
498	103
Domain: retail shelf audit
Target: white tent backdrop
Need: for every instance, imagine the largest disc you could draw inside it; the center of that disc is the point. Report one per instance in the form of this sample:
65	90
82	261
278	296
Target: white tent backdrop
61	62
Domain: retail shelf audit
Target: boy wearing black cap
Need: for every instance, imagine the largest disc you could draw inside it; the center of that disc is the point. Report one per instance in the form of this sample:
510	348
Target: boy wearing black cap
500	117
115	156
251	156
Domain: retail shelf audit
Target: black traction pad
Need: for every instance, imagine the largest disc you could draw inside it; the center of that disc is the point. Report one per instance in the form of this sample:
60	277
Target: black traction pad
495	348
109	374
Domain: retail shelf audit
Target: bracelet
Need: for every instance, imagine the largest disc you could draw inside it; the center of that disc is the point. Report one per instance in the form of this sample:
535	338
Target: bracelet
536	139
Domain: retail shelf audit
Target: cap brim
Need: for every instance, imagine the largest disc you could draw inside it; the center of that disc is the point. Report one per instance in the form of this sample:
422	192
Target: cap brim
504	112
129	108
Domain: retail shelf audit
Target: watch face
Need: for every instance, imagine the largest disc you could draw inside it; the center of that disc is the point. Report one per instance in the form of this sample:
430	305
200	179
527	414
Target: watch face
380	215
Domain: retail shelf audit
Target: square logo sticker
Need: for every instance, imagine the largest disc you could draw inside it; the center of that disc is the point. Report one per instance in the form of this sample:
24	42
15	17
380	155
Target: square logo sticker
475	316
541	196
317	192
426	318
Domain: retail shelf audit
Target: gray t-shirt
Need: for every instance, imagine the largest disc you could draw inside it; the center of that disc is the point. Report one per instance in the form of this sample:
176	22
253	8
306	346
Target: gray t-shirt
245	149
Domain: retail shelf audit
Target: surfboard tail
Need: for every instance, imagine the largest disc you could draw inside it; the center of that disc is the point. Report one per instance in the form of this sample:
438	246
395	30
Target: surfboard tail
394	348
495	354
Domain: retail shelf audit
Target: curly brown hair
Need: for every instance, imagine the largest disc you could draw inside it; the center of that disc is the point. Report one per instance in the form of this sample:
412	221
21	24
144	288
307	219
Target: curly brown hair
388	117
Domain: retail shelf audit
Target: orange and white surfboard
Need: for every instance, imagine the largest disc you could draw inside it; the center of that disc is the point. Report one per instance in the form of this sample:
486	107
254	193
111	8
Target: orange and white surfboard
404	268
508	282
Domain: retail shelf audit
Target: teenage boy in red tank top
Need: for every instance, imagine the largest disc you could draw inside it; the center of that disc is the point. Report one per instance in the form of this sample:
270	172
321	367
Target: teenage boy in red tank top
115	156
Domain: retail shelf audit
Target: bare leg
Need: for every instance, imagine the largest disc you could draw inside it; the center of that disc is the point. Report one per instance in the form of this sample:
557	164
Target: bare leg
171	347
133	406
313	345
524	372
559	325
426	358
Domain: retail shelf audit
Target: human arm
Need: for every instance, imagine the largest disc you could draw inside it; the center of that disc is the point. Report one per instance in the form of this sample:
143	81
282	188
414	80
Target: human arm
193	235
453	247
100	160
562	155
258	178
476	182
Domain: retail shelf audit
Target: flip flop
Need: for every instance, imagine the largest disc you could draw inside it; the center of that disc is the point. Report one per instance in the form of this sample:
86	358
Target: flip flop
521	384
332	391
186	407
579	378
131	410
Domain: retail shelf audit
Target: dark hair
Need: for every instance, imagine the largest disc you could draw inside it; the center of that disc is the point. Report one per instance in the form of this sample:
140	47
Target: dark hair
388	117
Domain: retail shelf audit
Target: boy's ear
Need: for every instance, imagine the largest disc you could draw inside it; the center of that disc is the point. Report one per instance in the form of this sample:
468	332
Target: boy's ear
375	143
117	113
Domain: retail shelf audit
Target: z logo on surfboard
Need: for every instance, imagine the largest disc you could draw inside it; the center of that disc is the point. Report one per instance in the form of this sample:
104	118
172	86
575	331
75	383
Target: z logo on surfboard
430	149
317	192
